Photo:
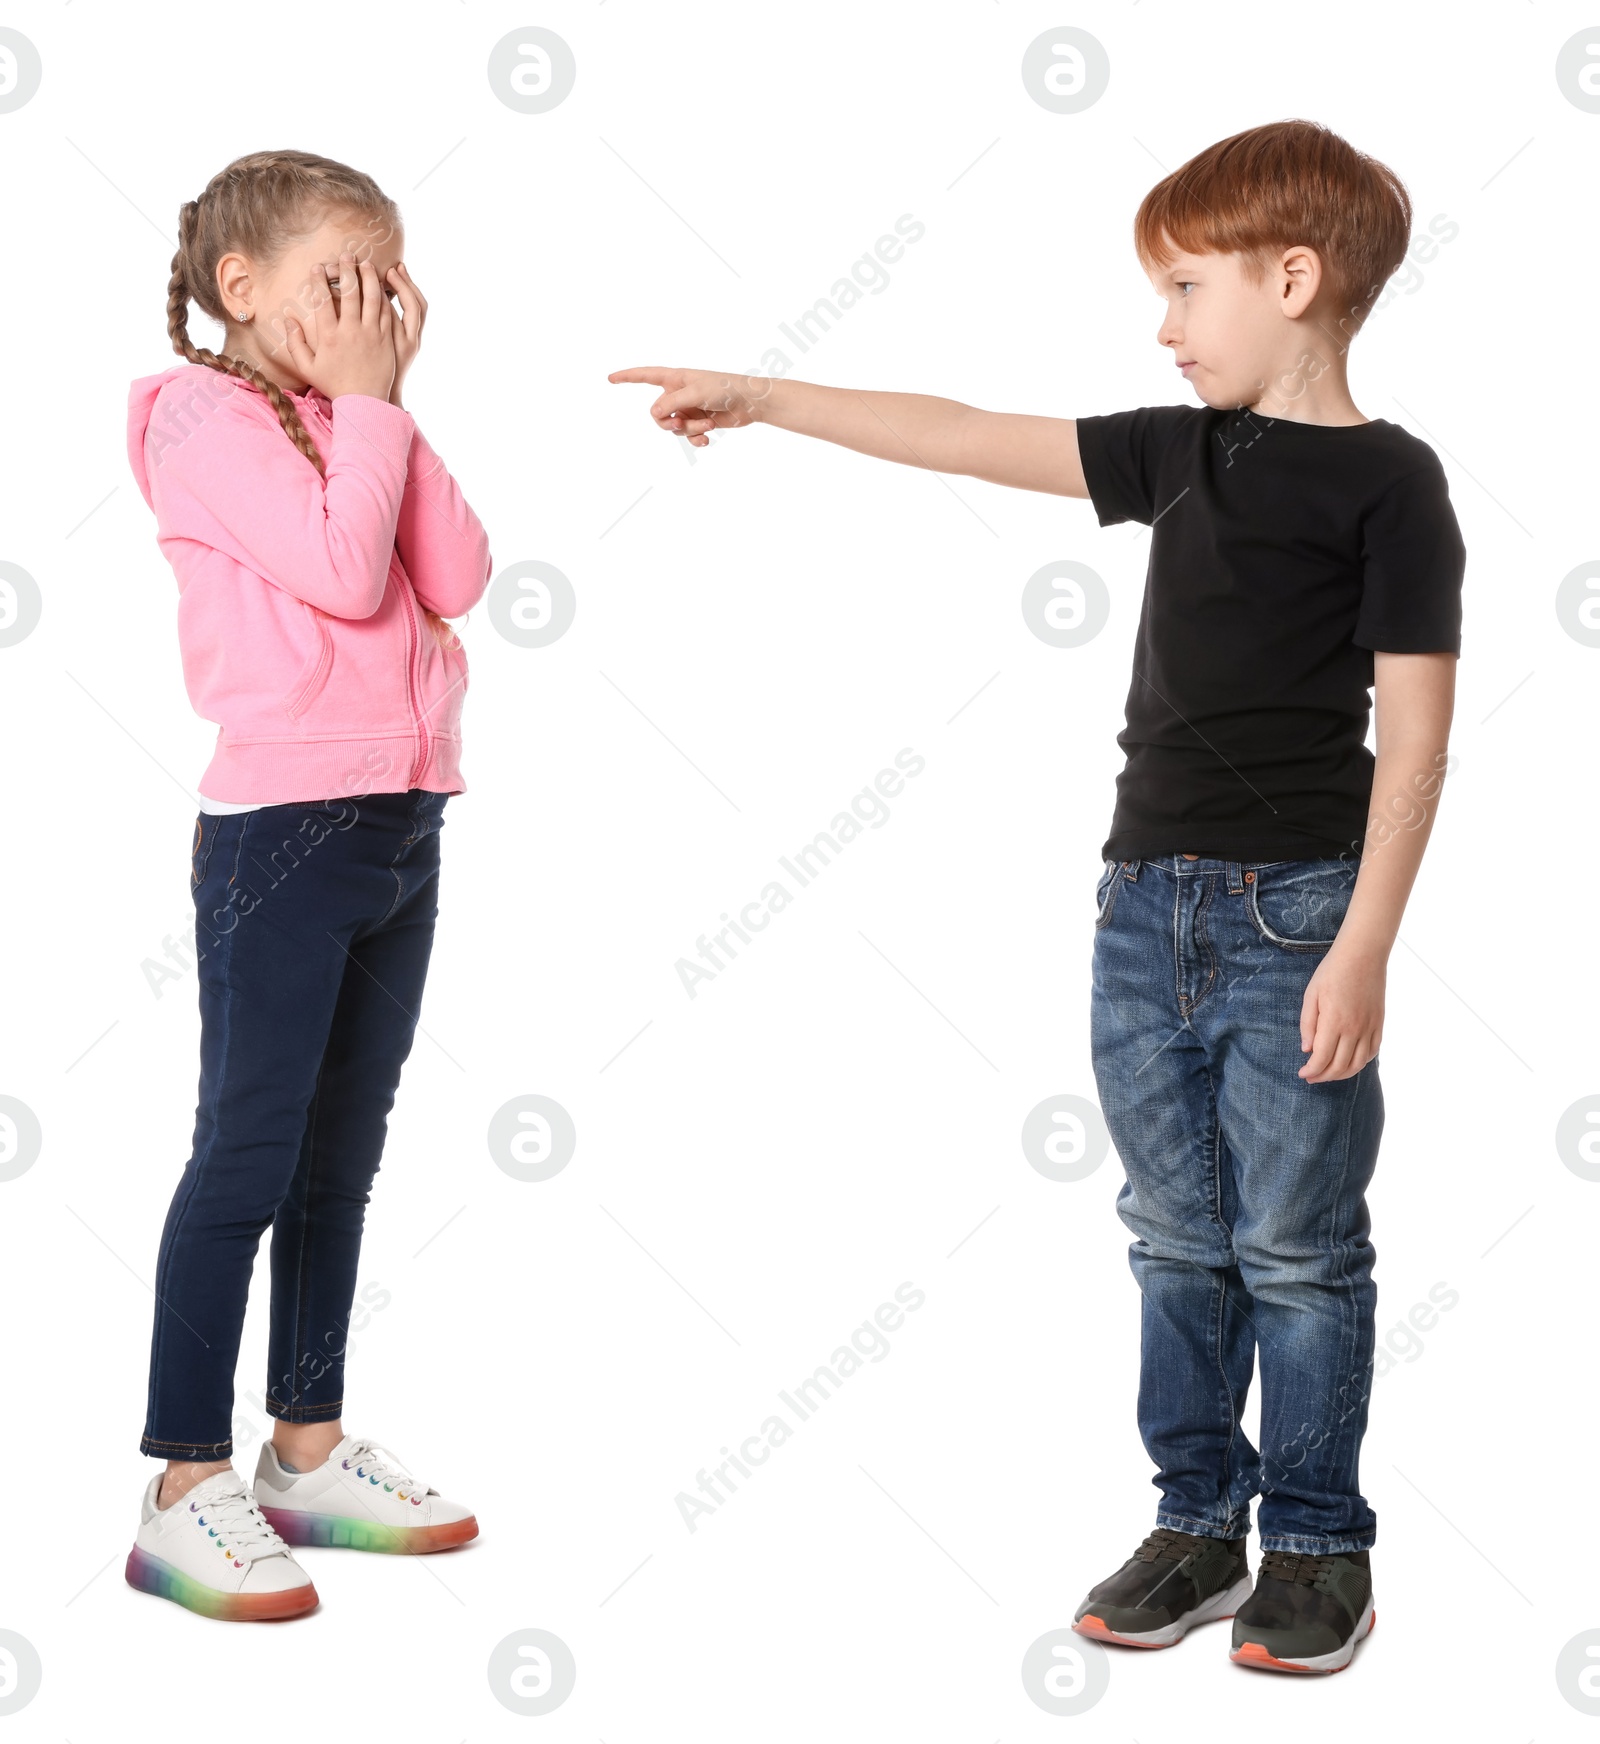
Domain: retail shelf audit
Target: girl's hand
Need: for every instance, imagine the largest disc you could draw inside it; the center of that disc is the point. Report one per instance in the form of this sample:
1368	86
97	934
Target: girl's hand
350	349
698	400
407	332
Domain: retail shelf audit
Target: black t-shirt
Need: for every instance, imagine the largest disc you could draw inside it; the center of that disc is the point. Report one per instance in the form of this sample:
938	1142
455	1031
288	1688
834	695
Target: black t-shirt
1282	555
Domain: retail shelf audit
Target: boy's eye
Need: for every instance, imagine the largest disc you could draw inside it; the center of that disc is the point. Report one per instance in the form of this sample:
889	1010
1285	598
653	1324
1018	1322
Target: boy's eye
1185	285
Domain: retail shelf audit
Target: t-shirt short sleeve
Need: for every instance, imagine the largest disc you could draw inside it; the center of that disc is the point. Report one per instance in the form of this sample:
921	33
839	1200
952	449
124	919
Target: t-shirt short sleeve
1413	560
1121	454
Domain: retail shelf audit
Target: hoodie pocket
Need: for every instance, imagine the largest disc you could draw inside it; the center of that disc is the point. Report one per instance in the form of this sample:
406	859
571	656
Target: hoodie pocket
319	662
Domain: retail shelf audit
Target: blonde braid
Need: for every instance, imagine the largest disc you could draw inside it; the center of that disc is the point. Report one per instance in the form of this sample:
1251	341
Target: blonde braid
179	295
253	205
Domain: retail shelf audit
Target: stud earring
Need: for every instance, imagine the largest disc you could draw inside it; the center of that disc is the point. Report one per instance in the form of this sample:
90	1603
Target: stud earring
244	314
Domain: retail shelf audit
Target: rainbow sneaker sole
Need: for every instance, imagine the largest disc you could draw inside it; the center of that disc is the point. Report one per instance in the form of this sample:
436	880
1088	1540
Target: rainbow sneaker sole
149	1574
338	1531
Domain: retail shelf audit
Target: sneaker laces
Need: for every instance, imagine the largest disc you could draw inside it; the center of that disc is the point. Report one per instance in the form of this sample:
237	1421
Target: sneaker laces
1295	1567
366	1459
241	1530
1165	1545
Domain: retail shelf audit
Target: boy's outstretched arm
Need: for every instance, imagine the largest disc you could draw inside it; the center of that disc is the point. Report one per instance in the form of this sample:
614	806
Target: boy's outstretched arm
1039	454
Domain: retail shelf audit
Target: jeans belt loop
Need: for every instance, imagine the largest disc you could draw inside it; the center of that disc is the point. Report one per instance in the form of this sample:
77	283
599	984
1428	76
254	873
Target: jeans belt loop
1235	878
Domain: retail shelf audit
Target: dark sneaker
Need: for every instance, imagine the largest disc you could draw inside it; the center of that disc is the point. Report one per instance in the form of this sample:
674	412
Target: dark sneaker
1307	1612
1171	1582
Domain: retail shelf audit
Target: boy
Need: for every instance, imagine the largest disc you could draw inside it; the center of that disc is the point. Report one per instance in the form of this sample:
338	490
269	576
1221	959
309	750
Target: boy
1259	859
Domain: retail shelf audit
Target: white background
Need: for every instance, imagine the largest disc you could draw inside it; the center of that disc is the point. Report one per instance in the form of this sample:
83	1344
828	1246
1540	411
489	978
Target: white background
757	634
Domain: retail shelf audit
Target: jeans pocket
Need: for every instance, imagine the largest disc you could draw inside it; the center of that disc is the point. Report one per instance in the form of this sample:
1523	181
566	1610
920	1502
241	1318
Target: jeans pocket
426	817
1105	895
205	837
1299	905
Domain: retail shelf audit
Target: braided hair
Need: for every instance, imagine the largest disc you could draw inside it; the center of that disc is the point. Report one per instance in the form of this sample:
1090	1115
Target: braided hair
255	207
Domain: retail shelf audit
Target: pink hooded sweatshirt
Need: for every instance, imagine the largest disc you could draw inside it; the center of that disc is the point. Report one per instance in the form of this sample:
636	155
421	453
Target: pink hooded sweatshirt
301	596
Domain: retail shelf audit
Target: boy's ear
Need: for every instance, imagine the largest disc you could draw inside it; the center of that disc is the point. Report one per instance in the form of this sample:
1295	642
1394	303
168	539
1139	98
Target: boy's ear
1300	278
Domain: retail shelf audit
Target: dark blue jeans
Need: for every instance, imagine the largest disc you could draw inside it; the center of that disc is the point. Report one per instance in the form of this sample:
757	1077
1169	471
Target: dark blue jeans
1244	1192
313	928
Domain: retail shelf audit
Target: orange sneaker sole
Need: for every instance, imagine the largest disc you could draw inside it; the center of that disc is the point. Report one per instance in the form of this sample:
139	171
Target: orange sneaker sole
1253	1653
1096	1630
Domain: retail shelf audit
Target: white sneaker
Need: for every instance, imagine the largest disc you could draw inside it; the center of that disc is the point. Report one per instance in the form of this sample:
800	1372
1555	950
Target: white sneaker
362	1498
212	1552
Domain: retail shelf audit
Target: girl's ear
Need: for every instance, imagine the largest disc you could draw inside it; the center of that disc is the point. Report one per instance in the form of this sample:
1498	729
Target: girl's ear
233	283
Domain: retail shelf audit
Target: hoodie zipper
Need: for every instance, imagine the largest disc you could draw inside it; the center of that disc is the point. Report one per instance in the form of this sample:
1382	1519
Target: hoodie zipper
419	724
414	683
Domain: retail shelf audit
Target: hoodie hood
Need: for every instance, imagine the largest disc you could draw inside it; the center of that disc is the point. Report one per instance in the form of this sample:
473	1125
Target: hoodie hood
141	409
180	410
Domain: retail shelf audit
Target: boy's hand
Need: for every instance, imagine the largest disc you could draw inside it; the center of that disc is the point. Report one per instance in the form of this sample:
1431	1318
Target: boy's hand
407	332
698	400
1341	1017
350	348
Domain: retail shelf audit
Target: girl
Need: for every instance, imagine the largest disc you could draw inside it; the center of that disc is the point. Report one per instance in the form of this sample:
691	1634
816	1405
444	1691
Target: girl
318	543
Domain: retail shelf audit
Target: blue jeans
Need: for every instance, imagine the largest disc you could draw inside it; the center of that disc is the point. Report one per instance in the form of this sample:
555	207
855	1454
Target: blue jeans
313	928
1244	1192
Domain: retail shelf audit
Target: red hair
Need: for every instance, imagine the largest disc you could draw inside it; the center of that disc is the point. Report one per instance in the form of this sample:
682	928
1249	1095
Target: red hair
1262	191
